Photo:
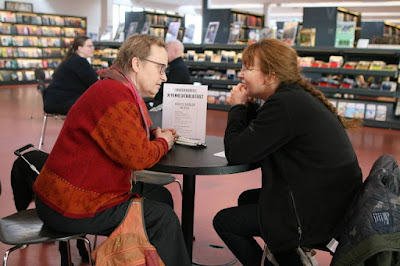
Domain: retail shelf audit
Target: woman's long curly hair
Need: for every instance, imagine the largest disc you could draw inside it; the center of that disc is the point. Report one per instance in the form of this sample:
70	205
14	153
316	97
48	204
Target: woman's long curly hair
279	58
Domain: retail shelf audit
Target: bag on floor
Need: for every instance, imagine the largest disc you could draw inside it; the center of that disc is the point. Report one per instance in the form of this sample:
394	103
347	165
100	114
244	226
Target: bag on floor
128	244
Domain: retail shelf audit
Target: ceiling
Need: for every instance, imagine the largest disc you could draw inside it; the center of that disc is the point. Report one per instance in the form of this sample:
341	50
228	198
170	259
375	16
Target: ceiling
280	10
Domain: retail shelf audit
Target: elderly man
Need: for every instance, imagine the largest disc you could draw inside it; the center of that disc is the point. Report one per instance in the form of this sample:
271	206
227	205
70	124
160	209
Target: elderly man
177	72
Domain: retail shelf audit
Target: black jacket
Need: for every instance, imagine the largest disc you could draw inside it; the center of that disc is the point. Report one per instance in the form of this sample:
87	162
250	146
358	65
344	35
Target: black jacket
177	72
71	79
309	169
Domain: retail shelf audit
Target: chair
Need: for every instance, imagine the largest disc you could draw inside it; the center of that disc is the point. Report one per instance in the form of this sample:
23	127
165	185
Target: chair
40	78
25	228
156	178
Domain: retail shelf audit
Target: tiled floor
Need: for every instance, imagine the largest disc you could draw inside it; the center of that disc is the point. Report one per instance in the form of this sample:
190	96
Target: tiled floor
213	192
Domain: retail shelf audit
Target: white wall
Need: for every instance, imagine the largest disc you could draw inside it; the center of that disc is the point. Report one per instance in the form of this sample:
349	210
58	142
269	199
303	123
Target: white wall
91	9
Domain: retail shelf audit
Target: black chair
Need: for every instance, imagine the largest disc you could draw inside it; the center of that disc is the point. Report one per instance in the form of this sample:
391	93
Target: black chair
40	78
25	228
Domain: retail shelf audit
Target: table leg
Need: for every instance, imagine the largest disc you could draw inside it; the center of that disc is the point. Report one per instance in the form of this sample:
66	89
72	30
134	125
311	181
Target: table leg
189	188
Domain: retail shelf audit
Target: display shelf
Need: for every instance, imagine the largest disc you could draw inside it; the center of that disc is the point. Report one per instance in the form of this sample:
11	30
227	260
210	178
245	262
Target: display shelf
360	95
206	81
158	22
226	18
31	36
324	20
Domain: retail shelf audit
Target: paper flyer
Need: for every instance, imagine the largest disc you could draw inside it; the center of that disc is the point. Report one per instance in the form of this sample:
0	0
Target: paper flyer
185	109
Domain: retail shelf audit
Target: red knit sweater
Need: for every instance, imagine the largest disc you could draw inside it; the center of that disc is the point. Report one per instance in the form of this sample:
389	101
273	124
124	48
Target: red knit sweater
102	140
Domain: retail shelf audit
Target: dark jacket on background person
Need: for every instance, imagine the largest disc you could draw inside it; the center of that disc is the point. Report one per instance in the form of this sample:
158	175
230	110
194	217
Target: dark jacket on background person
310	172
71	79
177	72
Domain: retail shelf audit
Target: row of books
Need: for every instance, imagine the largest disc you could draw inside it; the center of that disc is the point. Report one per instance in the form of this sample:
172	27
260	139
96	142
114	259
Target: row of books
369	111
108	52
7	76
337	62
230	74
28	64
30	52
163	20
218	97
41	31
36	41
11	17
347	83
248	20
222	56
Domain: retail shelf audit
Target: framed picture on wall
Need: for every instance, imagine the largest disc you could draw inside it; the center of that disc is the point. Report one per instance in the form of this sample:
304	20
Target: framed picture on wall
18	6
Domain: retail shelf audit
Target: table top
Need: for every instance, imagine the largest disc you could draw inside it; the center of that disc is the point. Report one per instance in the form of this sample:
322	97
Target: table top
199	161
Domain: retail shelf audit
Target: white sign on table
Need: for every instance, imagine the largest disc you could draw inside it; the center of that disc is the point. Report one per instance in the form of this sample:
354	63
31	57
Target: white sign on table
185	109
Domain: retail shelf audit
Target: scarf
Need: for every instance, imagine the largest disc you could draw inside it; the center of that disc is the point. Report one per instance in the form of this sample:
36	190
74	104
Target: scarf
114	72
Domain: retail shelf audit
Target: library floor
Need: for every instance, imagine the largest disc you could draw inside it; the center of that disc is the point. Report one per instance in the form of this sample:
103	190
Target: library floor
213	192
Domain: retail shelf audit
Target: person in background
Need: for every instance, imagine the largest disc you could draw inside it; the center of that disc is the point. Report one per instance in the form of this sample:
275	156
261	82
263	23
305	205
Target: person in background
177	71
72	77
86	185
310	171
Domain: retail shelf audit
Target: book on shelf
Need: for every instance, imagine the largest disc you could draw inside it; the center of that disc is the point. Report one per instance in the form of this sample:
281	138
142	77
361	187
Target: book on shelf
350	110
350	65
370	111
107	34
307	37
234	32
267	32
290	32
253	35
132	28
189	34
341	107
377	65
335	61
119	34
306	61
389	86
381	112
172	32
345	34
211	32
364	65
360	110
146	28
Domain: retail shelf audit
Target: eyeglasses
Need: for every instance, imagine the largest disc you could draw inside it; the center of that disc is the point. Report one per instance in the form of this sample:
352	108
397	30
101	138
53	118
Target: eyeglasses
244	69
163	67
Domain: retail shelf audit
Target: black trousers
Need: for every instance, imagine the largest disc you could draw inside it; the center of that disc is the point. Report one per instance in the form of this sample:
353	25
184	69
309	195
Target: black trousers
161	223
237	227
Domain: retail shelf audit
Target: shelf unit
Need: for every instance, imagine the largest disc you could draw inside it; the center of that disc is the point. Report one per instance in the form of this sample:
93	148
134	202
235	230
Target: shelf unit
226	18
324	20
380	32
387	99
159	22
29	40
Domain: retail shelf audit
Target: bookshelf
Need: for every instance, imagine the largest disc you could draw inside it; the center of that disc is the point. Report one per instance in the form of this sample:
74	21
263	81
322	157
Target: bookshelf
324	20
215	75
29	40
380	32
226	17
159	22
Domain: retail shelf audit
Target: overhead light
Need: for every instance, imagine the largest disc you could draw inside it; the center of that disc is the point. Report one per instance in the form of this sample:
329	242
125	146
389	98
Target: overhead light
341	4
241	6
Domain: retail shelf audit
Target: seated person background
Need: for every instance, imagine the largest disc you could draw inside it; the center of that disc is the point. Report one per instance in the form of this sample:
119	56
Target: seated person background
86	184
177	71
72	77
310	171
